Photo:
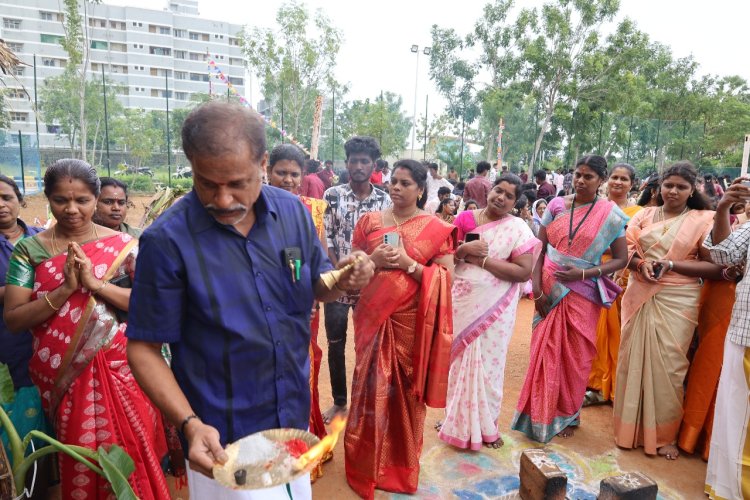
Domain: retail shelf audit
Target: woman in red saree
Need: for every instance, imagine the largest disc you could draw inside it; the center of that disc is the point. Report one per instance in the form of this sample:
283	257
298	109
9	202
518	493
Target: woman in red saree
571	285
59	286
403	331
285	172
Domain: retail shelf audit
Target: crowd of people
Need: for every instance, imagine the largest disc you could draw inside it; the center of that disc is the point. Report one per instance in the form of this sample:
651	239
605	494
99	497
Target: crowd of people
204	328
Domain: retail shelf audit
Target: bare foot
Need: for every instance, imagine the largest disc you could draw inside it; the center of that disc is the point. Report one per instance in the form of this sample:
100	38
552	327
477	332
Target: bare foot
670	452
566	433
332	412
439	425
495	444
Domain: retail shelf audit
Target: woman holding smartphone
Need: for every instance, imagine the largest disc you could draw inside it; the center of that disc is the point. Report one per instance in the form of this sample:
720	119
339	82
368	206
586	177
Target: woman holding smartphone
660	311
403	329
489	273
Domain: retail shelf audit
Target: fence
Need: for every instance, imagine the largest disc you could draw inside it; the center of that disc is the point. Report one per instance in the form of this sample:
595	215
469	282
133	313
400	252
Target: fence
21	162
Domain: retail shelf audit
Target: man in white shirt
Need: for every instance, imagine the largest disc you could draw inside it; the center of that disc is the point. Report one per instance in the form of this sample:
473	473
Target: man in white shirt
435	181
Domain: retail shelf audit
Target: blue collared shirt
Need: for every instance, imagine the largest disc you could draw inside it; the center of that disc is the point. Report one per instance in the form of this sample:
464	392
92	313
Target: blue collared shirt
15	348
237	324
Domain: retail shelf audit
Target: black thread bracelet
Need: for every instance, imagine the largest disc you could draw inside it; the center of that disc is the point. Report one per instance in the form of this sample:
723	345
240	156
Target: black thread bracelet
187	419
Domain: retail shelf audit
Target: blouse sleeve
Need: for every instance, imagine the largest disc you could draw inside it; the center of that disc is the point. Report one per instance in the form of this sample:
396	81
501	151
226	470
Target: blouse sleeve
20	270
461	223
555	207
449	245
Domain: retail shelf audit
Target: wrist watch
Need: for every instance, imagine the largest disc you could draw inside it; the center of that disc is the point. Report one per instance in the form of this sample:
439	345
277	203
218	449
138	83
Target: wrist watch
412	268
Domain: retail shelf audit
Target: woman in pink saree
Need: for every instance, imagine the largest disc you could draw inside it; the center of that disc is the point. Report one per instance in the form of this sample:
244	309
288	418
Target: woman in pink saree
486	291
570	286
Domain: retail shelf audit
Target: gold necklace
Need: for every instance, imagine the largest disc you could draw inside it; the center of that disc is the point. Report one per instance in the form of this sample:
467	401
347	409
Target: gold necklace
664	220
54	239
399	224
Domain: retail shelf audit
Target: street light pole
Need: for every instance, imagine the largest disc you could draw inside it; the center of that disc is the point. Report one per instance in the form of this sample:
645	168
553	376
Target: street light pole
426	101
415	49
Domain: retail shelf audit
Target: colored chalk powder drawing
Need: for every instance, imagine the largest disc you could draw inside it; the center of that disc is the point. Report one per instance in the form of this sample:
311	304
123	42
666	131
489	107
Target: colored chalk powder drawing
493	474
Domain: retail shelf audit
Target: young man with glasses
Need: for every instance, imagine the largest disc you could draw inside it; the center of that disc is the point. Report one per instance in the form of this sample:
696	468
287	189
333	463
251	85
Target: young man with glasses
346	204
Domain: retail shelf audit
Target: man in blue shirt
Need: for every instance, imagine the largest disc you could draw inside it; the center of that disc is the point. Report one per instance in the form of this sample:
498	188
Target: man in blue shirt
212	280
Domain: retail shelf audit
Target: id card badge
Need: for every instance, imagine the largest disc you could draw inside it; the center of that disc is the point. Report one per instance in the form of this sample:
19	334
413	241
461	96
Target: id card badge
293	261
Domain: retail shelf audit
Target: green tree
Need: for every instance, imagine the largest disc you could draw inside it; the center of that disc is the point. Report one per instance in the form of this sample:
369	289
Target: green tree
294	64
138	134
60	103
382	118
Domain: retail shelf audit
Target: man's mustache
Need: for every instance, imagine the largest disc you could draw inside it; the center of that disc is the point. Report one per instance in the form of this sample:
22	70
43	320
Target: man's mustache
213	210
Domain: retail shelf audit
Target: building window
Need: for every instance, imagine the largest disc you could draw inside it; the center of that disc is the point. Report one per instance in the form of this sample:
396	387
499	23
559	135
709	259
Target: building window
15	47
140	25
44	38
54	129
15	93
180	75
234	41
160	72
18	70
179	33
195	36
46	16
17	116
137	46
180	54
49	62
116	68
198	77
181	96
99	44
163	30
160	51
11	24
233	61
117	25
118	47
236	81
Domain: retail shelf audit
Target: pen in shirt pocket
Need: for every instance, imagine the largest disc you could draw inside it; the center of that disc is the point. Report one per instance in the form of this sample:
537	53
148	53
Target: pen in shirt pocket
293	260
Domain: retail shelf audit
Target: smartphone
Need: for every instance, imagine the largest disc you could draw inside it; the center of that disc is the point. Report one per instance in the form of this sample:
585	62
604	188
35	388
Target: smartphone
471	237
658	268
391	239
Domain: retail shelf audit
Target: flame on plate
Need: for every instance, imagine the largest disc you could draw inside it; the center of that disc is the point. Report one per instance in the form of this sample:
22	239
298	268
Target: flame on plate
328	443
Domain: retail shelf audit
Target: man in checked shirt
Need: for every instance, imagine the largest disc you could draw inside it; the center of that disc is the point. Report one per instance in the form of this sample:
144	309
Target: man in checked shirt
728	473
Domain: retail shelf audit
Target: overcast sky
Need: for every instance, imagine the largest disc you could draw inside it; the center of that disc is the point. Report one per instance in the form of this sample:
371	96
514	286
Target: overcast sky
375	54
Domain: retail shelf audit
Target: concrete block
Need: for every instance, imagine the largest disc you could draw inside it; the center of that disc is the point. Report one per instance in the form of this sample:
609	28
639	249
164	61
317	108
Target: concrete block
541	478
630	486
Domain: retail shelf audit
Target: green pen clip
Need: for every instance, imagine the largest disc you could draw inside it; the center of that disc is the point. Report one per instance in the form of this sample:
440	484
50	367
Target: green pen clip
297	267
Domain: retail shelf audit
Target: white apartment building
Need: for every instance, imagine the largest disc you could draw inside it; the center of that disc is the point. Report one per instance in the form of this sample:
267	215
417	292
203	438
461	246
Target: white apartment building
139	48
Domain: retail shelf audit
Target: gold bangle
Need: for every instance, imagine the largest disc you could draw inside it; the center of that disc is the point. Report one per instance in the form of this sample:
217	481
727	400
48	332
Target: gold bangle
600	271
583	274
46	297
537	298
484	261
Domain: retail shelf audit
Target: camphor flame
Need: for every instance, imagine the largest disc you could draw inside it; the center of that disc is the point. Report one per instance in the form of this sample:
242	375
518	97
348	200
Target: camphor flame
328	443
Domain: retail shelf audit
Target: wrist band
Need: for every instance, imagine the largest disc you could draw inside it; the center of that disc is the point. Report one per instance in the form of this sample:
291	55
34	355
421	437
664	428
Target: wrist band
638	267
49	302
187	419
600	271
104	285
537	298
484	261
671	265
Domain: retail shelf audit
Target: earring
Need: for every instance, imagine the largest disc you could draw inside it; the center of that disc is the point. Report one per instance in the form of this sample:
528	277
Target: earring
691	194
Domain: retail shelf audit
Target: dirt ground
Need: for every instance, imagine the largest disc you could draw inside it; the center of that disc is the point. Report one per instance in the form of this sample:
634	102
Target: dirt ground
593	441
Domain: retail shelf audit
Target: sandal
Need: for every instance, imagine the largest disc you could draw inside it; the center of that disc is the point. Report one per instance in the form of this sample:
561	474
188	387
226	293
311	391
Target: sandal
594	398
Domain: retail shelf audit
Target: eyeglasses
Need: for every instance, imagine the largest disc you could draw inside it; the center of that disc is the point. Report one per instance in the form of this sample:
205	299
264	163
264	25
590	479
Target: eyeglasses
361	161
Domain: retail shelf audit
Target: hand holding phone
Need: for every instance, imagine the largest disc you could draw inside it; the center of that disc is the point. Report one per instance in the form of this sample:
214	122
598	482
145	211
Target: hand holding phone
471	237
391	239
658	269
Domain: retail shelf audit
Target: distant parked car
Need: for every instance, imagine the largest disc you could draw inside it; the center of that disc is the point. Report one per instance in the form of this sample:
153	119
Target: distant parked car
130	170
183	173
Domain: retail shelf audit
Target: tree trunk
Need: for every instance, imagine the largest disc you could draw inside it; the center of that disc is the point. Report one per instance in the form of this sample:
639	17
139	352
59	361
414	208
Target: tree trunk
82	116
543	130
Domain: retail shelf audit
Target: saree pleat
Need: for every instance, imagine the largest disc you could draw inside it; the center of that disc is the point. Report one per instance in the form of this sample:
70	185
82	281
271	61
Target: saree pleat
604	365
658	325
563	343
717	300
398	368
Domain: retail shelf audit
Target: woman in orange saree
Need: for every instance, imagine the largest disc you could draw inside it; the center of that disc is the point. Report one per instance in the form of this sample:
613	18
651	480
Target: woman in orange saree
570	287
403	332
60	285
660	312
602	377
285	172
717	301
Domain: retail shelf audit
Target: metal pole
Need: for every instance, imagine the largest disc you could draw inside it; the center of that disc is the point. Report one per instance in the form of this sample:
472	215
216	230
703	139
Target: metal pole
630	136
36	119
20	150
414	116
333	127
282	115
106	124
656	150
426	101
169	157
461	161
